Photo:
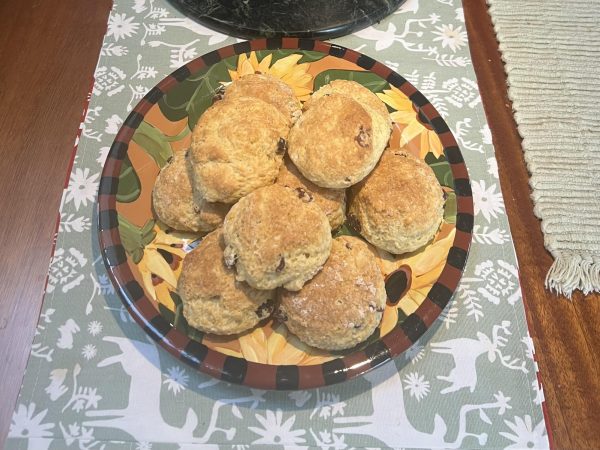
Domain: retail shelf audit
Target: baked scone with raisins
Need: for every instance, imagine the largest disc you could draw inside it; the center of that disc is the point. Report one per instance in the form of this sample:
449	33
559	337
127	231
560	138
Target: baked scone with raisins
213	300
276	236
237	146
269	89
336	142
358	92
399	207
343	304
175	205
331	201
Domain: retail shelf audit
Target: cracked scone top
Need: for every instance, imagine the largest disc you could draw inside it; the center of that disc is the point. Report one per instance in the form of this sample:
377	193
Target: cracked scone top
331	201
337	142
399	206
276	236
268	89
213	300
237	146
175	204
343	304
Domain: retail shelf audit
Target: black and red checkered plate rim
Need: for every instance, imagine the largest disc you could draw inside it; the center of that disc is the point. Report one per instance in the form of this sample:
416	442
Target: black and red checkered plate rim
239	370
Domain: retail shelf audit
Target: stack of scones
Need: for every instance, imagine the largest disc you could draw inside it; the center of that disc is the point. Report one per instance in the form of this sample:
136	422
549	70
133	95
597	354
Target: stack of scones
269	179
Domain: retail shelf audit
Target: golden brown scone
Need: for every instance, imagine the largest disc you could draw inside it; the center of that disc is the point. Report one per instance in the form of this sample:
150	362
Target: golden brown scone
213	300
276	237
269	89
358	92
399	206
331	201
336	143
343	304
174	203
237	146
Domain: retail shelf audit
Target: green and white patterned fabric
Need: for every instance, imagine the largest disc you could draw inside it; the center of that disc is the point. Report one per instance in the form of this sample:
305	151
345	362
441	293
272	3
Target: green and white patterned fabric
95	381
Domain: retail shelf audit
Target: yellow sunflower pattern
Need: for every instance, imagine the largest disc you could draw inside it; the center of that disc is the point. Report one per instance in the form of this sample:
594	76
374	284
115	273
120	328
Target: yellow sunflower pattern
413	127
160	264
286	69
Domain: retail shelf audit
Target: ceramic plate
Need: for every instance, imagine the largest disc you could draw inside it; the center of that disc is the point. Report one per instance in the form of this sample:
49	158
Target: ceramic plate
144	257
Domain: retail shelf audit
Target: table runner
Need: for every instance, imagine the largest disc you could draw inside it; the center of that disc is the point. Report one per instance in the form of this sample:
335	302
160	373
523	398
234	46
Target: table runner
95	381
557	110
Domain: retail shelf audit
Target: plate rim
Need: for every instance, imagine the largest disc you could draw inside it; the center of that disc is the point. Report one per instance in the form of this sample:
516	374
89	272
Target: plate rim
268	376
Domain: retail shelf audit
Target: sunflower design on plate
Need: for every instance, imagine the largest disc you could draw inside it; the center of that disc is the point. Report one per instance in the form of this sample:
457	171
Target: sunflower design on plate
144	256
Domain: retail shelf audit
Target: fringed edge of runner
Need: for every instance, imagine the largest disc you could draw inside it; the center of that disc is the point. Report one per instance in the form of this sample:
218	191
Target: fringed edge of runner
571	271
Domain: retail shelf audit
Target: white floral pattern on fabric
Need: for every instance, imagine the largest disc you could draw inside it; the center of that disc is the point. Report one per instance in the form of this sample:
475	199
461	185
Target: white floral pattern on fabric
524	434
416	385
177	380
120	26
276	431
27	422
451	37
83	187
487	201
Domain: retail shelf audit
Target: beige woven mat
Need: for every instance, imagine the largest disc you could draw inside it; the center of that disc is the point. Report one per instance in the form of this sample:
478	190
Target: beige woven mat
551	49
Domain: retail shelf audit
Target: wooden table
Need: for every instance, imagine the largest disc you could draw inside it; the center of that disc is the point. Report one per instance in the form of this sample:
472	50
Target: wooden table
48	51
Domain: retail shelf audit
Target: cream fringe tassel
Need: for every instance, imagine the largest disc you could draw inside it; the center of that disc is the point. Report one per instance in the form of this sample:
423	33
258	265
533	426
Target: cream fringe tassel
572	271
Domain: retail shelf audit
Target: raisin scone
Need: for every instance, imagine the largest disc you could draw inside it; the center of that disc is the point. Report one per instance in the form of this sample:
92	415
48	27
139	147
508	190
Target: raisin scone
343	304
337	142
275	237
237	146
175	205
213	300
399	207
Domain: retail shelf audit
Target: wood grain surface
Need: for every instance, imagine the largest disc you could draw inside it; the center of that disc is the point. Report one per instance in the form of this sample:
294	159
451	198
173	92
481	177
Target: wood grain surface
565	334
48	51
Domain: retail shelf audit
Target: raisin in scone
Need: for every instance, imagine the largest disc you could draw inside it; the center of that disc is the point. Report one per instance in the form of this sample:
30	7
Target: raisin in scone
331	201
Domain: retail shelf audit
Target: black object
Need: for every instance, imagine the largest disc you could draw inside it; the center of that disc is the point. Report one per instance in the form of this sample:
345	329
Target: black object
277	18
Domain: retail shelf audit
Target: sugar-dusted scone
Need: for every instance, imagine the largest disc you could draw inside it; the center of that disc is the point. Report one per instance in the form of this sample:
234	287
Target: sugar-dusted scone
237	146
276	236
269	89
213	300
343	304
358	92
174	203
399	206
331	201
336	143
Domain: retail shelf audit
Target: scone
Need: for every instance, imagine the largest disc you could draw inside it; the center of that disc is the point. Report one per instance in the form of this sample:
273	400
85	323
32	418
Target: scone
174	203
331	201
358	92
268	89
237	146
336	143
399	206
276	236
213	300
343	304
